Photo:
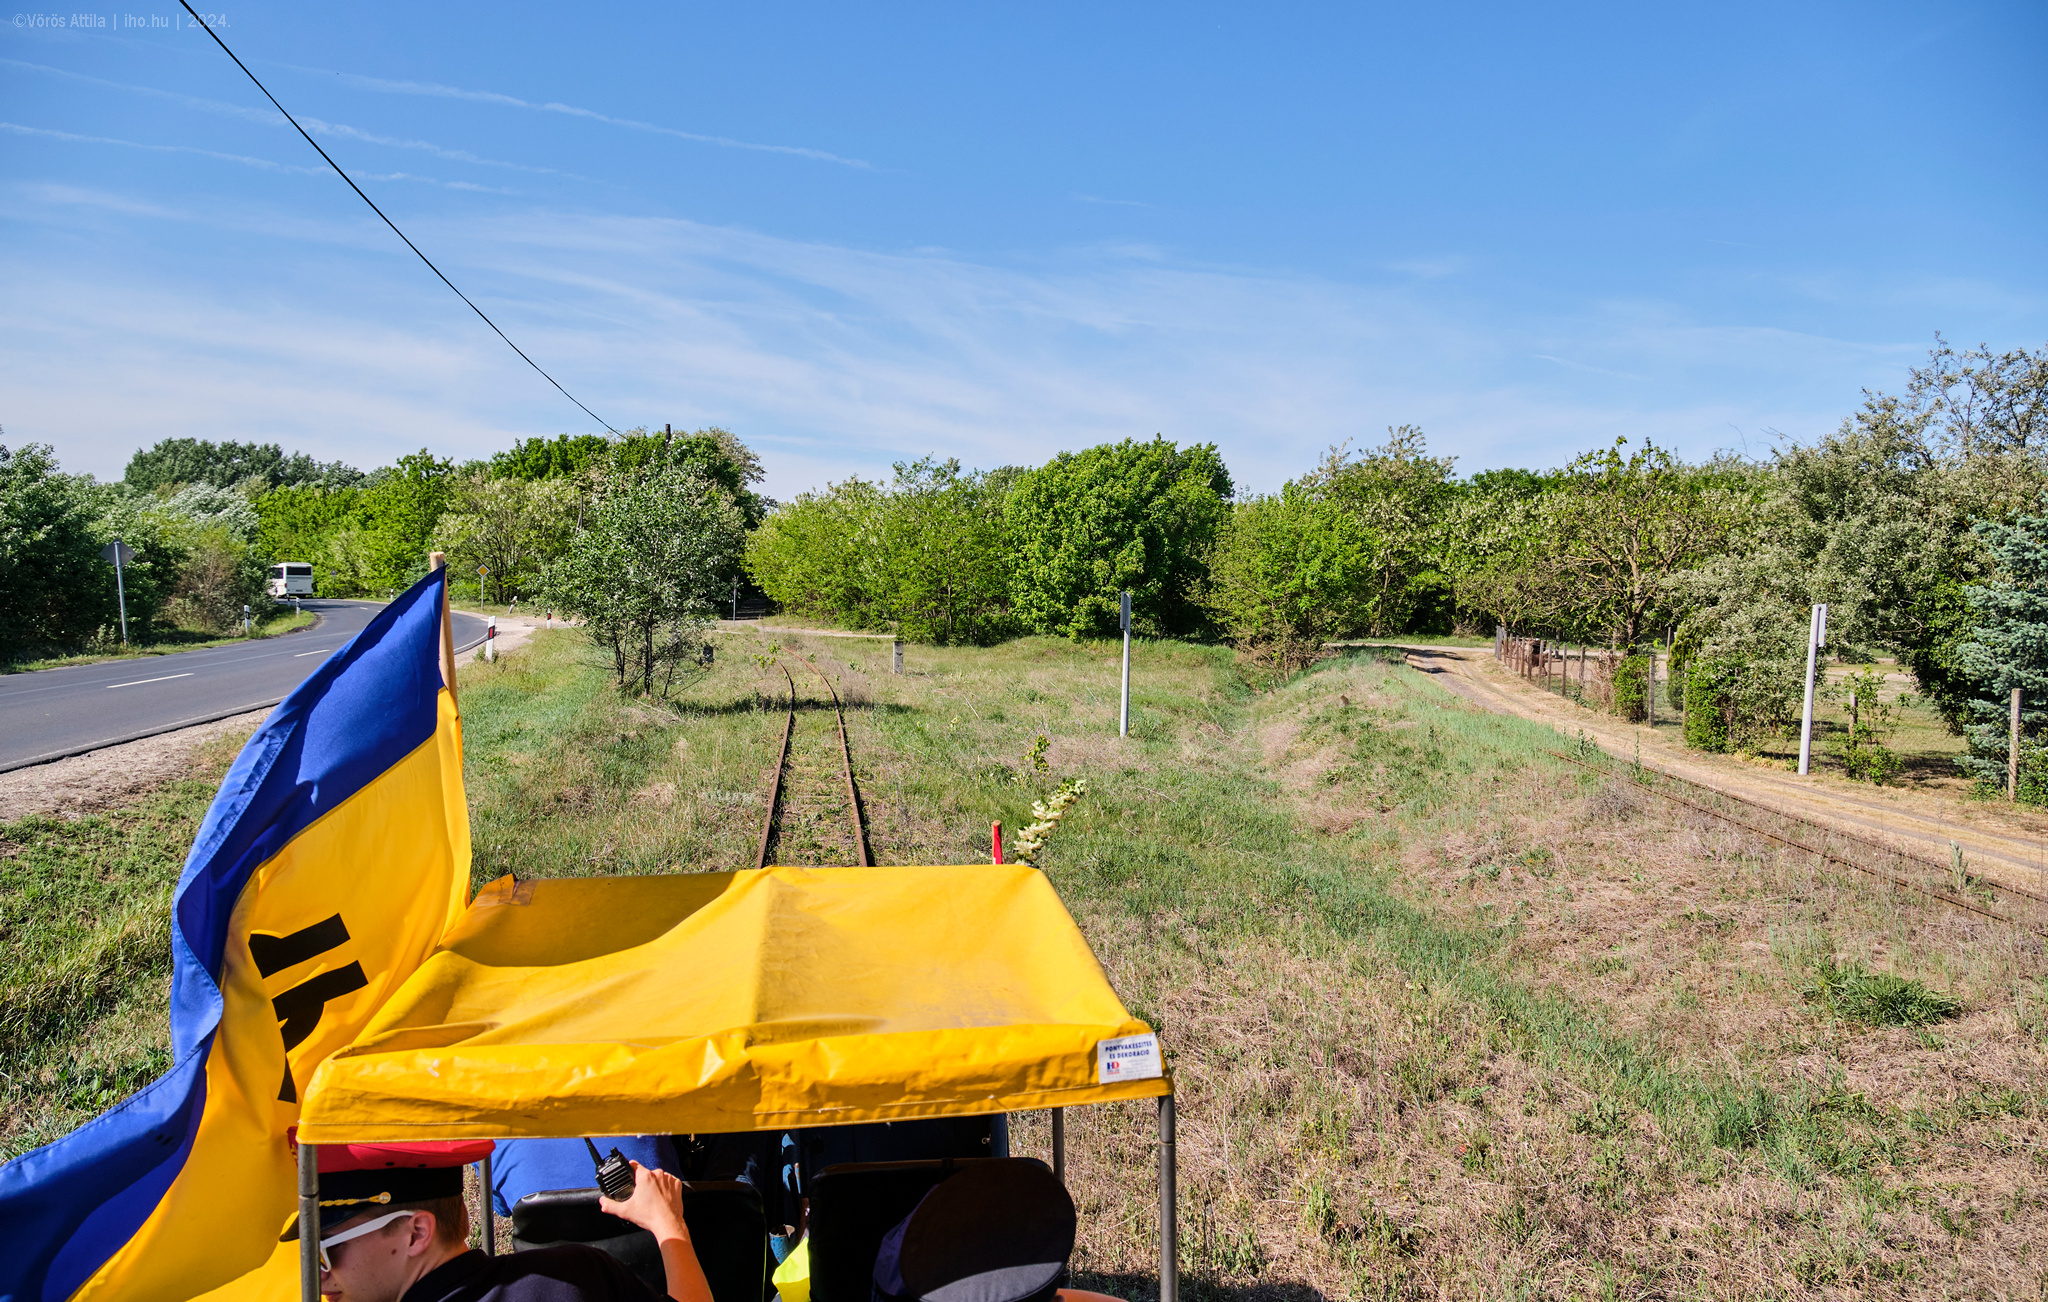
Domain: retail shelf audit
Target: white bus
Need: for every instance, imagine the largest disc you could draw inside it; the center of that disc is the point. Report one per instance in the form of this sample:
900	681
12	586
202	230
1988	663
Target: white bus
291	579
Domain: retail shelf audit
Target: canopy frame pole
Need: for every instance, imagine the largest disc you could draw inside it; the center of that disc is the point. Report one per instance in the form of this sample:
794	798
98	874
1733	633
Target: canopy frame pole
1059	1144
1169	1208
490	1221
309	1223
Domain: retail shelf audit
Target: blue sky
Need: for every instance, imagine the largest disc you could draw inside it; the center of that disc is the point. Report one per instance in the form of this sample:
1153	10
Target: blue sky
858	235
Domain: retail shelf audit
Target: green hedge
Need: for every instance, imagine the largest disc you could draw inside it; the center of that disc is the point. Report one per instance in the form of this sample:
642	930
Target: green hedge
1632	688
1706	707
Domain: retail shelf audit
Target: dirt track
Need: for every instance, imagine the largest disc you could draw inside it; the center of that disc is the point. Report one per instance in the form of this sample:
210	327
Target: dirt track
1998	842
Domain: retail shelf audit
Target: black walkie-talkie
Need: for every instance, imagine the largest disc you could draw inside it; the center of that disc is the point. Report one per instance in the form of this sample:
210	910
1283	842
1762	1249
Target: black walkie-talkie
614	1173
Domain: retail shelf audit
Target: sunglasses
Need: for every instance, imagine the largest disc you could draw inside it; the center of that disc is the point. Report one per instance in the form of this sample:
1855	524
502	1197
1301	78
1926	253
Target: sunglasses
327	1263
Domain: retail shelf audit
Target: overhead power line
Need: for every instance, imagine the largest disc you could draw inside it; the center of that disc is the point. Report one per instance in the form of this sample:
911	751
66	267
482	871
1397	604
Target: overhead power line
387	221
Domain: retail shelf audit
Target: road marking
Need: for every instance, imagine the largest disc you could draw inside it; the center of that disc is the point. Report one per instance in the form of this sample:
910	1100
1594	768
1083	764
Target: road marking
140	681
303	654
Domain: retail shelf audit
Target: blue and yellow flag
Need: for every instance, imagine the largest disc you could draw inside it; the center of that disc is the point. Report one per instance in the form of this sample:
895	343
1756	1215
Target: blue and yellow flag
334	857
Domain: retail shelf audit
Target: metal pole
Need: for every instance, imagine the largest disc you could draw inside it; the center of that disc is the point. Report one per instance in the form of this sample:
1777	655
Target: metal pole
1806	715
1123	725
2012	752
309	1223
121	592
896	655
1059	1144
1169	1208
490	1221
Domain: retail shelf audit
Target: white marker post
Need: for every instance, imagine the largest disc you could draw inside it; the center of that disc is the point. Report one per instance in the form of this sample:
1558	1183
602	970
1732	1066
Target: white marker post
491	638
1816	638
120	554
1123	726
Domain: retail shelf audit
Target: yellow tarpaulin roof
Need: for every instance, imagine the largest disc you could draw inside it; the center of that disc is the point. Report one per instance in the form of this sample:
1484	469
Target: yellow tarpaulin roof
720	1002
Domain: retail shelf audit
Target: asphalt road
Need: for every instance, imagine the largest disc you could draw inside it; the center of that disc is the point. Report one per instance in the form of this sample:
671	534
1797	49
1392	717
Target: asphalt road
52	713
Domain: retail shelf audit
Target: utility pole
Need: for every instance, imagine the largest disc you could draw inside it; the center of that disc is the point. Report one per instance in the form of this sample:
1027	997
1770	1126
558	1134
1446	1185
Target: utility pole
1816	638
1123	725
120	554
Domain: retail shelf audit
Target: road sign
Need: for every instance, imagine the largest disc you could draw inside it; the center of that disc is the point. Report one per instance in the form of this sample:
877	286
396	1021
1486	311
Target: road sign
483	569
118	552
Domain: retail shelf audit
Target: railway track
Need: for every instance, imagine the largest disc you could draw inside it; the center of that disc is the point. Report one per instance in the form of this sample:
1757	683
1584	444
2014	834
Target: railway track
1950	884
772	816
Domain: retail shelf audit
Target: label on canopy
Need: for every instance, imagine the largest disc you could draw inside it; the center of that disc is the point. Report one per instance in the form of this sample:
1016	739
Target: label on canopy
1133	1057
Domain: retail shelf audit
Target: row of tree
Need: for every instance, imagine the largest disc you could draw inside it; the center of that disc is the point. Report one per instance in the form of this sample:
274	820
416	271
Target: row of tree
1913	521
946	555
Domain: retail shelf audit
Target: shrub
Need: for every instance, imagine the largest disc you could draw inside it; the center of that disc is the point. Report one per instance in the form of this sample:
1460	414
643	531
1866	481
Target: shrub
1632	688
643	572
1862	751
1706	707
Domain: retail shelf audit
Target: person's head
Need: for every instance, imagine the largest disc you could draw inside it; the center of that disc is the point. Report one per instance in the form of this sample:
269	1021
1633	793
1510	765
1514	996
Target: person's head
377	1255
389	1213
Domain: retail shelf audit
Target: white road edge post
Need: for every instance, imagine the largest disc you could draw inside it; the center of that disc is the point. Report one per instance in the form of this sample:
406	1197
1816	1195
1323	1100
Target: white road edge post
491	638
1123	725
1816	637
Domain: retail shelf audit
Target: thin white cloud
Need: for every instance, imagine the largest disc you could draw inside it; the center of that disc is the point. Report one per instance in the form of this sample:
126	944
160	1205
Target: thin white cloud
837	361
1588	368
47	133
438	91
270	117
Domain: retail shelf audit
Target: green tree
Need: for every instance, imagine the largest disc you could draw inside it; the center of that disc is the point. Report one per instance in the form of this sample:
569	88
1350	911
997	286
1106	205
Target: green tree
812	555
178	461
941	570
1401	496
301	524
2008	643
1291	571
54	586
395	517
1087	525
561	457
510	527
644	570
1621	529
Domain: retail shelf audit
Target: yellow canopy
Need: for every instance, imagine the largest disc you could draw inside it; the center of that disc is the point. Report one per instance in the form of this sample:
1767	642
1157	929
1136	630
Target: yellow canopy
719	1002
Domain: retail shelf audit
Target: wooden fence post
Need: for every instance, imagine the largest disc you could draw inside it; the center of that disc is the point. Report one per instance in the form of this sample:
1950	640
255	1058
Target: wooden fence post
2012	751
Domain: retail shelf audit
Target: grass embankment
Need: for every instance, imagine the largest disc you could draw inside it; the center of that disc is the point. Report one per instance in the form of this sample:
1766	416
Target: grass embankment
270	622
1449	1018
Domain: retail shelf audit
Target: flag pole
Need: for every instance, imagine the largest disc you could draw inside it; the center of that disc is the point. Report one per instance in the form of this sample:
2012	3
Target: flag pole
439	561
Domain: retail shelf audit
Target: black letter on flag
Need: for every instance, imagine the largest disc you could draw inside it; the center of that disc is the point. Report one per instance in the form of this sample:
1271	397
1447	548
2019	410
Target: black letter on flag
299	1008
273	954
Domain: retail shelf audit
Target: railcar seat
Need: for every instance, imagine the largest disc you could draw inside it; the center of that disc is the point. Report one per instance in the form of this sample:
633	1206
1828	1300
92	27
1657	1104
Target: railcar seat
854	1205
726	1223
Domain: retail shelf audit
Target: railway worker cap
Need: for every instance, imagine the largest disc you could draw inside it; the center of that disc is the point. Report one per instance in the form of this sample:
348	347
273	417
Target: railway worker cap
998	1231
359	1178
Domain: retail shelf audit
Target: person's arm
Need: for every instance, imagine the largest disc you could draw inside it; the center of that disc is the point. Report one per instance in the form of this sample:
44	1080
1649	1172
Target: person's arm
656	1205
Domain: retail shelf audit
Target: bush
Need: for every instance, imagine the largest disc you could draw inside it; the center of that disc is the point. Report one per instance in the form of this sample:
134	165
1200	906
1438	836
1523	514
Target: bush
1707	716
219	578
1632	688
643	573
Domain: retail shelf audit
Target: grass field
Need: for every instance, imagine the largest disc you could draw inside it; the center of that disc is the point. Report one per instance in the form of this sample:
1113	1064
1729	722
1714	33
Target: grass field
1448	1017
